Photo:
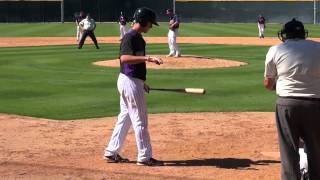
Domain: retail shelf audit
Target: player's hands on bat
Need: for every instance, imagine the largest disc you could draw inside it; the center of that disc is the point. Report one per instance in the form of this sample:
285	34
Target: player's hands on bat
155	60
146	88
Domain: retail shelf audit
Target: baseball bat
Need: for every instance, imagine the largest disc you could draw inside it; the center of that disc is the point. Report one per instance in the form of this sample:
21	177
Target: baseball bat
198	91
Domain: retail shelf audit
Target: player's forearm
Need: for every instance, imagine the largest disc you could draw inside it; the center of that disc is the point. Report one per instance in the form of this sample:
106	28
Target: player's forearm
175	24
129	59
270	83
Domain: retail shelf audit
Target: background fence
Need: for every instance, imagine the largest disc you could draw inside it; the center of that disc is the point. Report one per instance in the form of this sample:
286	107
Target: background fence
109	10
246	11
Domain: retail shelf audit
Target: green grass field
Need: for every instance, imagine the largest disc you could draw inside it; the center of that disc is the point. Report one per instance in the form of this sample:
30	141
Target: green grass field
112	29
60	82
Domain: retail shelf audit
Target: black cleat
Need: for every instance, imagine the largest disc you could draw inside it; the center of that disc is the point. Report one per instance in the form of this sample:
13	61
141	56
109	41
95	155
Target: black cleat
116	159
151	162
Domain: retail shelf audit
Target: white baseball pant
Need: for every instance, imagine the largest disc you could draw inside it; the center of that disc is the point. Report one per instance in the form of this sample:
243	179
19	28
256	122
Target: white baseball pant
172	41
261	29
133	111
123	30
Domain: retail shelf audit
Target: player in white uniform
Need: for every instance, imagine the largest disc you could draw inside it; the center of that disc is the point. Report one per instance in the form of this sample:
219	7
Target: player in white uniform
303	161
79	18
131	88
174	24
292	68
261	26
123	25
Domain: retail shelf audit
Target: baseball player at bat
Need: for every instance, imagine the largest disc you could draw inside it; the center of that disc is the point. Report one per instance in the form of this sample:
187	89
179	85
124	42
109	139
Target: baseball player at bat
131	87
88	25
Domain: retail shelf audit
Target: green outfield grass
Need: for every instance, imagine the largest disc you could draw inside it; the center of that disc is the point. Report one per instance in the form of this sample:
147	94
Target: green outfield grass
59	82
112	29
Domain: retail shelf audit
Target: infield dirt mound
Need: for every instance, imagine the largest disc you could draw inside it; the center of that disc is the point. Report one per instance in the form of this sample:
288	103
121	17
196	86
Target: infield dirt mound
193	146
184	62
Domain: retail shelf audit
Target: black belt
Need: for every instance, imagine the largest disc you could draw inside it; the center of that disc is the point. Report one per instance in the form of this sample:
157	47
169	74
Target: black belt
300	98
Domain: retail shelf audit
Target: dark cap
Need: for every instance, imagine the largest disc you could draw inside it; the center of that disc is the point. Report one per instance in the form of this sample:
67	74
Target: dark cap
144	15
294	26
293	30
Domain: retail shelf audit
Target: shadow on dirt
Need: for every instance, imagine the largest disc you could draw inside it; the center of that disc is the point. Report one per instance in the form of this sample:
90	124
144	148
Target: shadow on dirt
227	163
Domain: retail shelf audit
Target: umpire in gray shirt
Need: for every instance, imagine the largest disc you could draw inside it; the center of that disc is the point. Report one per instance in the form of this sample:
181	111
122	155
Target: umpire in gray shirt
292	68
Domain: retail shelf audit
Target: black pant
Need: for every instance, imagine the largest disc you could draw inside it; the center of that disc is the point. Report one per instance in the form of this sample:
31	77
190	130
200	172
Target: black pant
298	118
84	36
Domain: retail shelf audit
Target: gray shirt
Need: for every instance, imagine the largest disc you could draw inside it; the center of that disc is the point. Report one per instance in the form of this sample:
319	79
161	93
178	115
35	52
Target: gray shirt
296	66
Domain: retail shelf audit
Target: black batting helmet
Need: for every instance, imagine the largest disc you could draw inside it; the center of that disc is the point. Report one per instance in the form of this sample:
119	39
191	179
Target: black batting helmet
292	30
144	15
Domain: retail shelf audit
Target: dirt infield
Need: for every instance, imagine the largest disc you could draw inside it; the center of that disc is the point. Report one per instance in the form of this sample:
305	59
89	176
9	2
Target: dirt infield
193	146
44	41
184	62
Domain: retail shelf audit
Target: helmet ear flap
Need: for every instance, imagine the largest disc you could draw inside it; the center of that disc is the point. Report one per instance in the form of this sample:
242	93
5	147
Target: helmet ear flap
143	23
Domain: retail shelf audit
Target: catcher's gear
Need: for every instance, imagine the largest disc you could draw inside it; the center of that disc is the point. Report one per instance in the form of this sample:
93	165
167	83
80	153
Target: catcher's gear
144	15
291	30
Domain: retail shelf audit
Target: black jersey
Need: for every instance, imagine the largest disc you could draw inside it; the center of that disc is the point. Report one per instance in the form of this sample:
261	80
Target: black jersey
79	18
175	19
122	20
261	20
133	44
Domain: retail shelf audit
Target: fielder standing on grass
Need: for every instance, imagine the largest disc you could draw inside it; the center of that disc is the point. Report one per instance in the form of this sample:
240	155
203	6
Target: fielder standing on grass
174	24
79	18
131	88
292	68
88	25
123	25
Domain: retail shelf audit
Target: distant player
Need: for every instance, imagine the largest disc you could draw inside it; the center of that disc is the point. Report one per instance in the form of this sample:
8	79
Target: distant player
261	25
174	24
123	25
78	19
88	25
303	161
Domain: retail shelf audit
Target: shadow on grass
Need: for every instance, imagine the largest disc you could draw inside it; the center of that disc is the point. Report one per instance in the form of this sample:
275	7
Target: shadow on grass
227	163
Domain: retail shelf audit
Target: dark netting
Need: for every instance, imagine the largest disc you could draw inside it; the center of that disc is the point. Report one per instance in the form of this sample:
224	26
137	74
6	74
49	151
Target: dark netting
109	10
245	11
